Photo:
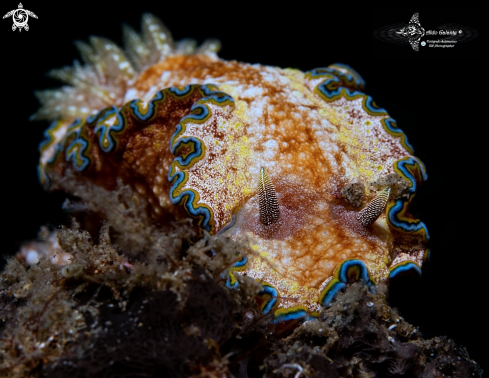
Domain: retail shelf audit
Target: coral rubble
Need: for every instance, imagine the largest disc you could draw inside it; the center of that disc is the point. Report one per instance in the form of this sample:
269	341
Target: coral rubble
168	312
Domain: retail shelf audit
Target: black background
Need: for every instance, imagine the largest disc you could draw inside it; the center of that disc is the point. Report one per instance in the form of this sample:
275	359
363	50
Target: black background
436	98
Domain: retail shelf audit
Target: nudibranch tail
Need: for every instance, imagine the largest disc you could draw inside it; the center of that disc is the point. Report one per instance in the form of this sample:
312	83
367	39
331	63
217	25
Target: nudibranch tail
372	211
269	210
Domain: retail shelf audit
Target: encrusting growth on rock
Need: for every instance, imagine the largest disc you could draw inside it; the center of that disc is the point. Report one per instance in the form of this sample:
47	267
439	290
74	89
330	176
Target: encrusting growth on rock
170	313
360	335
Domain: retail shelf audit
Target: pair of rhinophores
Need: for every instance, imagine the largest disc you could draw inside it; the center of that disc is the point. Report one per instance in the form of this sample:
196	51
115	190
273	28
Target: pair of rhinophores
305	164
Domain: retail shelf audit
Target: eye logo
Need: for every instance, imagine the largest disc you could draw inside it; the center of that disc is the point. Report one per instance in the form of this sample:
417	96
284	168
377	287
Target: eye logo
20	17
414	32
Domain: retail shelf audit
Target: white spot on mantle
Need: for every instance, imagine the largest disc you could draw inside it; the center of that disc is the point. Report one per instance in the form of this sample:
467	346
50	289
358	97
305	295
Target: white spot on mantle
270	146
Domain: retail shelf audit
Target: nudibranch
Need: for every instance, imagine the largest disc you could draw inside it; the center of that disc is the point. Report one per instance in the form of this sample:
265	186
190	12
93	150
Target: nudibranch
306	165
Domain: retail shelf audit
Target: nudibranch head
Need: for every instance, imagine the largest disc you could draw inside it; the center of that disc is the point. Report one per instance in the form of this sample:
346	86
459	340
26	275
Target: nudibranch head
305	164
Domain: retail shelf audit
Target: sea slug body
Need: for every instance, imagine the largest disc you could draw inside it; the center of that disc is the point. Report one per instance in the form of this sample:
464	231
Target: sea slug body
245	150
